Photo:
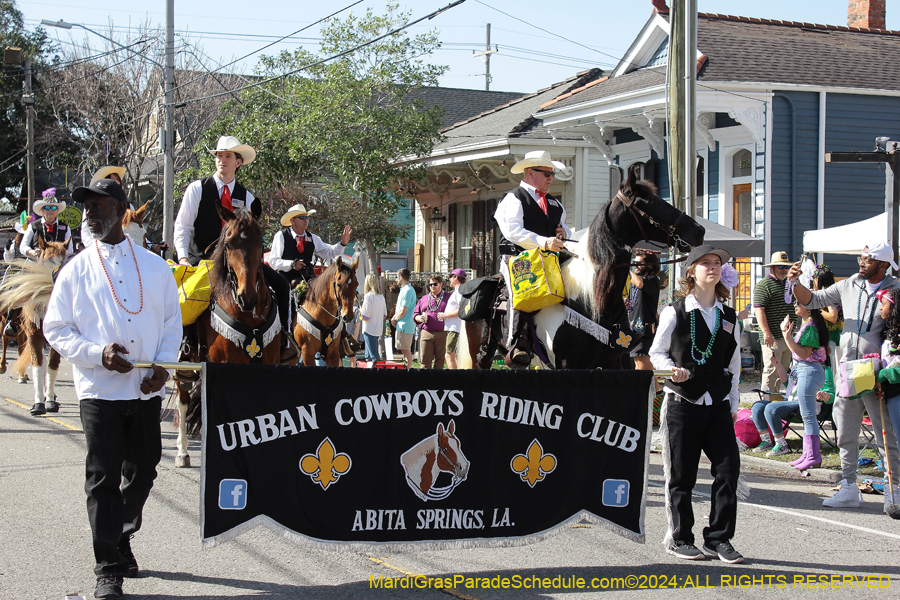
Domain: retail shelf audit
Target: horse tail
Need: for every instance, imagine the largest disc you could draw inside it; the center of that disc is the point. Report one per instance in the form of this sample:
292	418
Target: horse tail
194	418
30	287
20	367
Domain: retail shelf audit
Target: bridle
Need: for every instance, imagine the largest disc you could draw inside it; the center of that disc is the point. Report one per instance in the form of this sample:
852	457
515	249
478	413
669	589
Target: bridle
669	231
337	299
231	279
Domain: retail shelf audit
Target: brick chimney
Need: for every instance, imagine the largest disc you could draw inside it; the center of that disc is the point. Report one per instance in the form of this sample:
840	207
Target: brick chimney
660	7
866	13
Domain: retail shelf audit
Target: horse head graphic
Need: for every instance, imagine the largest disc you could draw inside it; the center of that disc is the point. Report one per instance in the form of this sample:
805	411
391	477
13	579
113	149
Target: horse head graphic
427	459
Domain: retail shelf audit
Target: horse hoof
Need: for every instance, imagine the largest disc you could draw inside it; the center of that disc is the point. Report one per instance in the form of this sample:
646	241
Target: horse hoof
3	370
23	380
183	462
52	406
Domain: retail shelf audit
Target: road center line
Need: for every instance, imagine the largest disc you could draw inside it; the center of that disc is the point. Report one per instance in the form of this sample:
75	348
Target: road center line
797	514
64	424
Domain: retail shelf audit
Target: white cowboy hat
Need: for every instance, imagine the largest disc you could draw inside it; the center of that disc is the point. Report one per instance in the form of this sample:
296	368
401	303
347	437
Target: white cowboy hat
538	158
105	172
48	200
228	143
297	210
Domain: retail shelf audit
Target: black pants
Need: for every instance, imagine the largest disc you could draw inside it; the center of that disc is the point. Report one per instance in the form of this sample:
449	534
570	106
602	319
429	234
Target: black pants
708	428
123	448
282	289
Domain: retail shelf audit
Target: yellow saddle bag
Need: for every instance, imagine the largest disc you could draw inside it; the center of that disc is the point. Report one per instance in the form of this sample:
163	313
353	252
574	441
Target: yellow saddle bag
193	289
536	280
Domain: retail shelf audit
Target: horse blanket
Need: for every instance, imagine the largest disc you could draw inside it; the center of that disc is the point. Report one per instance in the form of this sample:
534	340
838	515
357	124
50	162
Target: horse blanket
421	459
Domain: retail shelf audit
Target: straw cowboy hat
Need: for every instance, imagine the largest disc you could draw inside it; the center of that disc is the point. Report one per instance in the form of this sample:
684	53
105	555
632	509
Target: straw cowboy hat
228	143
779	259
105	172
49	198
538	158
297	210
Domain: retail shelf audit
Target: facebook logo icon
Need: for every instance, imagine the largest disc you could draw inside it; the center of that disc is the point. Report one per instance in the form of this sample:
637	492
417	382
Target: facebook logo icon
232	494
615	492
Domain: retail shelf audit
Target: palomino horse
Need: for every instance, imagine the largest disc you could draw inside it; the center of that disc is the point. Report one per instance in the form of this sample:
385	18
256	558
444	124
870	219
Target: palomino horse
590	330
15	317
438	453
327	306
29	290
242	325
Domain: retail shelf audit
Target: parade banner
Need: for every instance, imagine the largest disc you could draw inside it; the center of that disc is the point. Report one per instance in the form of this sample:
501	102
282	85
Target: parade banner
345	458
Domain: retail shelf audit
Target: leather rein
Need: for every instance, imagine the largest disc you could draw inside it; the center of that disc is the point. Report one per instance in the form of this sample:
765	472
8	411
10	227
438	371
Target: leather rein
671	236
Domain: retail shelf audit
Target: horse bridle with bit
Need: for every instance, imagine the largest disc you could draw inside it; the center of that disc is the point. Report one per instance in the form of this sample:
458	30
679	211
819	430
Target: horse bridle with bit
669	231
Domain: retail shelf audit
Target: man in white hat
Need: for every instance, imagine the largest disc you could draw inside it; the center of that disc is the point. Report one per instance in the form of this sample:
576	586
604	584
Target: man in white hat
863	334
771	306
529	217
47	227
198	226
294	248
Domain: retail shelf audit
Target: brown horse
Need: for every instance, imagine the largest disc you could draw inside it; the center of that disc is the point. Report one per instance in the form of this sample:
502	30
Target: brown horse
29	290
242	325
15	318
320	319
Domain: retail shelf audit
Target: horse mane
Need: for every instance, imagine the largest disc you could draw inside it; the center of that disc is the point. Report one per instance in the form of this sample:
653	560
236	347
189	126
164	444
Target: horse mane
28	286
320	287
219	272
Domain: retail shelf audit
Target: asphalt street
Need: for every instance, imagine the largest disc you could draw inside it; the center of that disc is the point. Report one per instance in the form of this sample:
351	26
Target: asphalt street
795	548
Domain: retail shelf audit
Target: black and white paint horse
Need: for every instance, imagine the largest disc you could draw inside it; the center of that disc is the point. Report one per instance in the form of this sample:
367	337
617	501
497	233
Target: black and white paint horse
590	329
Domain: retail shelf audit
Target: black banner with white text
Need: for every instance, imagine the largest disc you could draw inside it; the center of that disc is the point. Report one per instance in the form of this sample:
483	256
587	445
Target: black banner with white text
342	458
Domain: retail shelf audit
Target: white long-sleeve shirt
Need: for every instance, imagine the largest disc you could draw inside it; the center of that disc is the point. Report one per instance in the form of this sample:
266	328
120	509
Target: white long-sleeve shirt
83	317
510	220
323	250
187	214
28	238
662	361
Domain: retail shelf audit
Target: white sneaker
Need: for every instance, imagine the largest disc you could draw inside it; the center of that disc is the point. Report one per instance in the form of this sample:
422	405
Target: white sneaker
848	496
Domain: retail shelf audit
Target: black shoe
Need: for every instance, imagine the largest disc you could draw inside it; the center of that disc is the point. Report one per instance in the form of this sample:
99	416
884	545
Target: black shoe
724	551
684	551
125	550
38	409
52	406
109	587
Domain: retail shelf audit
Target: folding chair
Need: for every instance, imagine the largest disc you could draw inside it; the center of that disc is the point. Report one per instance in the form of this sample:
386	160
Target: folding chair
868	432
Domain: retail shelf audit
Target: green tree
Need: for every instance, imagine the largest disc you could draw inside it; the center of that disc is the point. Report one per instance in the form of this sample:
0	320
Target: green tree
343	124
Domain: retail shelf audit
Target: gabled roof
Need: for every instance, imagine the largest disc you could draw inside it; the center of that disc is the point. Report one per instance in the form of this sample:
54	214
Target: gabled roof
460	104
513	119
747	50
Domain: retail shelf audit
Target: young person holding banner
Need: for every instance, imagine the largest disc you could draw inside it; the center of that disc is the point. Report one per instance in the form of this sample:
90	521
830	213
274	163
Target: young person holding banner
698	340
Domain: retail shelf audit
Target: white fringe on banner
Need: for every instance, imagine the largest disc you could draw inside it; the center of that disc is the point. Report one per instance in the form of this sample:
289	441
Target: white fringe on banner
593	329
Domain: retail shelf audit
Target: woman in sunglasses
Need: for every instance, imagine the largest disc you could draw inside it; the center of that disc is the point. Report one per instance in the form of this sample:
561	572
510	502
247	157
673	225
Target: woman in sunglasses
47	227
433	338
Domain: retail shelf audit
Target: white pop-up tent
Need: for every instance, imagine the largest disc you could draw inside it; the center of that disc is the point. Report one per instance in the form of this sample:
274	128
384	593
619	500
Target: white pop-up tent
846	239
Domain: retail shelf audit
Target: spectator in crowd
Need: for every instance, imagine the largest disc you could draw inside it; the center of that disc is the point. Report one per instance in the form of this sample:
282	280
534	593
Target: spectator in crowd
432	337
863	334
372	314
698	340
772	305
450	316
643	303
403	316
833	315
889	376
113	304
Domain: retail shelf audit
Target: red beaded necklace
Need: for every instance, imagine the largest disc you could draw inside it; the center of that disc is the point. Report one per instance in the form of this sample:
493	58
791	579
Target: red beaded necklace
112	289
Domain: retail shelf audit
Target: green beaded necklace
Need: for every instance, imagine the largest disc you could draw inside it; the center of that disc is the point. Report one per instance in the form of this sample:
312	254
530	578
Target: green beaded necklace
704	354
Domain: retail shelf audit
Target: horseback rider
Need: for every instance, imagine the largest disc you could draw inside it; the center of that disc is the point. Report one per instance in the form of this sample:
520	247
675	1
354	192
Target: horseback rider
198	226
294	248
528	217
47	227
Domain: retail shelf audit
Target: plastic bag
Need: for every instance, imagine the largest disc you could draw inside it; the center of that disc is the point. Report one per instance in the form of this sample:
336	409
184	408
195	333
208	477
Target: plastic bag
193	289
535	280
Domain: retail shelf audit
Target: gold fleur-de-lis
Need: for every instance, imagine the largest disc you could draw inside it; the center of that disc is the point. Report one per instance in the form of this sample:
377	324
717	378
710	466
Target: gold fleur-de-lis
535	466
325	466
253	349
624	340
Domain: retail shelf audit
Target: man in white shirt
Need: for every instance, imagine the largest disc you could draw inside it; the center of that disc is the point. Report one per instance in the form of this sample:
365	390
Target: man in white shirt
528	217
113	304
198	226
294	248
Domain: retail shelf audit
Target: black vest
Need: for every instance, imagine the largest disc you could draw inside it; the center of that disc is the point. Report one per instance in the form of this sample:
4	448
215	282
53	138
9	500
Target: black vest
291	253
712	376
208	224
40	231
534	219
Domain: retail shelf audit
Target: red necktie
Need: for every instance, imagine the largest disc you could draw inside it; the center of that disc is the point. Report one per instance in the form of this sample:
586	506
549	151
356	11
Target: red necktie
49	229
226	199
300	244
542	200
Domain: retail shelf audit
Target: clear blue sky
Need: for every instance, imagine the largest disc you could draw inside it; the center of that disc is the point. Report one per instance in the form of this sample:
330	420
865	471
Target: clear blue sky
599	30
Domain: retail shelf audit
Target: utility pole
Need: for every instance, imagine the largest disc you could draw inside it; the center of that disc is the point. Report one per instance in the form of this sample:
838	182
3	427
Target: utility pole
487	58
28	101
169	147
